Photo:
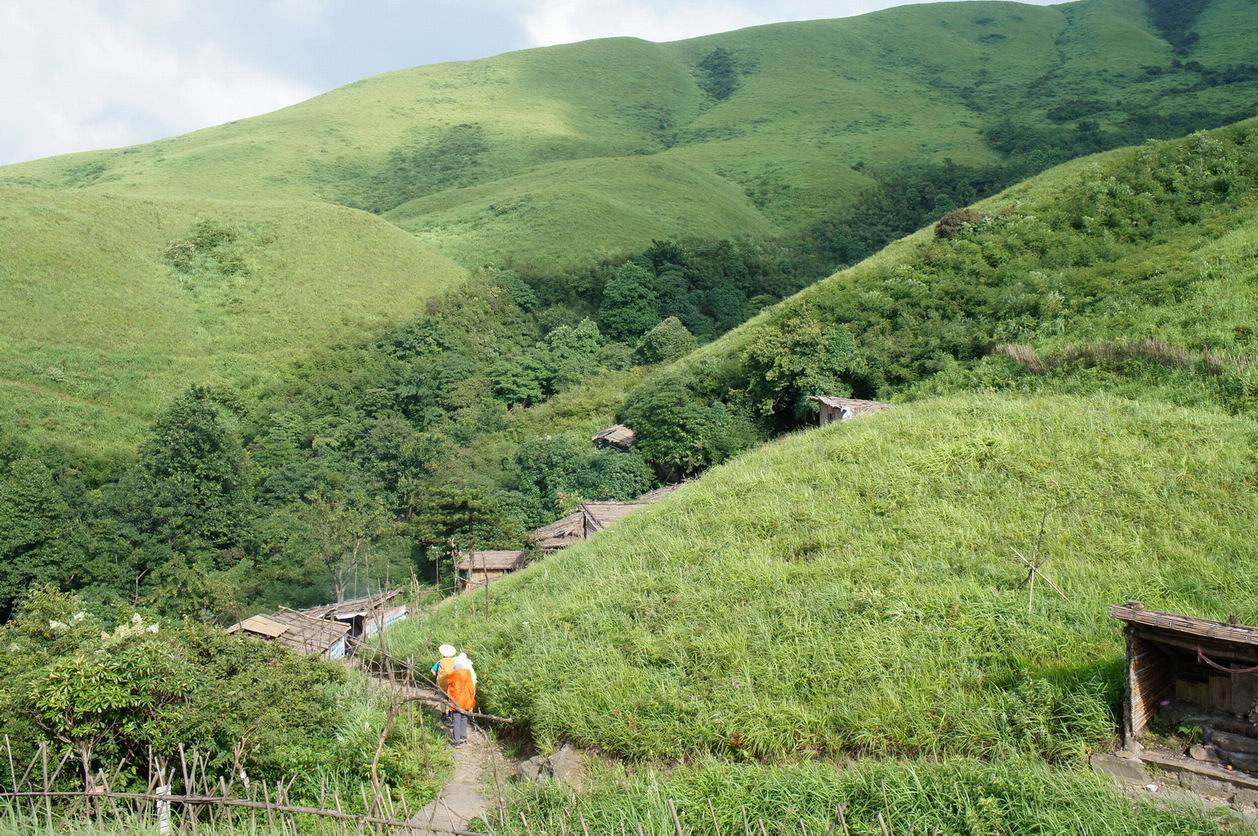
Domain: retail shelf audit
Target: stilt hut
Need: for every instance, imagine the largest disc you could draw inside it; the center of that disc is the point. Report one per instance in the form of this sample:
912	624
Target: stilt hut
845	409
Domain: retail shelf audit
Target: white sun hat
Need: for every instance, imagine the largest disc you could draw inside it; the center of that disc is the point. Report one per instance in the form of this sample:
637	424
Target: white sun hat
447	650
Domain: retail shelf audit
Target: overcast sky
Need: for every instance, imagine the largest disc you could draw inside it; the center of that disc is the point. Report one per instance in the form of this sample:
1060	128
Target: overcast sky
81	74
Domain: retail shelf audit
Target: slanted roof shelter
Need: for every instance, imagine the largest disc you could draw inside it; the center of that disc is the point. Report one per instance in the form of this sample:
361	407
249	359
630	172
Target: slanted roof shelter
844	409
617	436
298	631
475	569
366	615
560	534
1177	662
597	516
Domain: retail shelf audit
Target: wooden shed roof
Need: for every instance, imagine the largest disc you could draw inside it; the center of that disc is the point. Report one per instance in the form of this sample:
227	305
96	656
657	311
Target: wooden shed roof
854	405
352	607
600	515
1185	626
296	630
560	533
617	434
491	561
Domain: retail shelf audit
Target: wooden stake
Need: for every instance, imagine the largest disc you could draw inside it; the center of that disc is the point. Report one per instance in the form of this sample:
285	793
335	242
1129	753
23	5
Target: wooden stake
672	809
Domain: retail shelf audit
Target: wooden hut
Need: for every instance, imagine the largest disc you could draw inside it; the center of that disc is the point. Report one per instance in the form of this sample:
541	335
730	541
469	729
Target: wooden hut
617	437
560	534
845	409
1189	666
297	631
475	569
366	615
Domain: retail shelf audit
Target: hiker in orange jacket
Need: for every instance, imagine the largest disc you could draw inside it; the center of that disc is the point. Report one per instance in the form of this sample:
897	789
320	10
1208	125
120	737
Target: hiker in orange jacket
461	688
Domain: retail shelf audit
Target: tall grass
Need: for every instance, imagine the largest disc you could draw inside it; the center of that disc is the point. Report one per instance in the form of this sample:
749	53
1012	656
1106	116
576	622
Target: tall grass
960	796
855	589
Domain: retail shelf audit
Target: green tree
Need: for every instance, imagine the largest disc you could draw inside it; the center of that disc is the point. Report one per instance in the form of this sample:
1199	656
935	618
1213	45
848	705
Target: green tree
665	342
189	489
678	432
629	307
341	531
38	535
796	357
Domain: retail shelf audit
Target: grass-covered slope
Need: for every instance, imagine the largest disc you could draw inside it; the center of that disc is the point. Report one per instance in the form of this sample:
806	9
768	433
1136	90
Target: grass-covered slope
606	144
855	588
1131	271
109	305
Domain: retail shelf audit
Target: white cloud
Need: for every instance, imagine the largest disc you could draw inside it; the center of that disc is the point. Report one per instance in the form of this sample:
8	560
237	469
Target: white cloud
76	78
564	21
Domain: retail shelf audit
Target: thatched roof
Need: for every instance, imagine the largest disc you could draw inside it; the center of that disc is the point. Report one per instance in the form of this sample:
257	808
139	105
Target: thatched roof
658	494
851	407
1185	626
600	515
491	561
364	605
297	631
560	533
617	435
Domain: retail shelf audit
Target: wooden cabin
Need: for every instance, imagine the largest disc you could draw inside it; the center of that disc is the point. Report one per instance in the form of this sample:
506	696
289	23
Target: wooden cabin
1192	671
366	615
845	409
298	631
616	437
476	569
560	534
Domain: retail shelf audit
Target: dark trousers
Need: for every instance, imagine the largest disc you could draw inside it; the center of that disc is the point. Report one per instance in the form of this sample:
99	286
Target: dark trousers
458	728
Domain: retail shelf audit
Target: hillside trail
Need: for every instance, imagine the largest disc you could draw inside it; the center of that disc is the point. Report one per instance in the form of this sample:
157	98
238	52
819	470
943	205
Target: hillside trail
470	792
464	796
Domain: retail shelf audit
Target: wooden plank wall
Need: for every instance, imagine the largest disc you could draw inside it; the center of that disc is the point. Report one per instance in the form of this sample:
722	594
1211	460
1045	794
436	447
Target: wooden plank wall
1150	681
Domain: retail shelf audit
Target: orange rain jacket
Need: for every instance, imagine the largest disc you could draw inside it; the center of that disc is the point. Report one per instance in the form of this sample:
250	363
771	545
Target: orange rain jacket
461	689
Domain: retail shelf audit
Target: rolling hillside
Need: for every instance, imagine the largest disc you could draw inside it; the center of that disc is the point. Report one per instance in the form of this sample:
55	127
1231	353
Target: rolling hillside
1075	353
554	157
558	154
113	304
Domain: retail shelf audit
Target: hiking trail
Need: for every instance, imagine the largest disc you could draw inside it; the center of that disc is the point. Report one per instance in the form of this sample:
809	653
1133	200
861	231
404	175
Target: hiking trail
468	793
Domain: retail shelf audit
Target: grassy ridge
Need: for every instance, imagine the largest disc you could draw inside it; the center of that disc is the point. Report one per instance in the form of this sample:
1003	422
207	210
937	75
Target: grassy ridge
754	131
112	304
854	588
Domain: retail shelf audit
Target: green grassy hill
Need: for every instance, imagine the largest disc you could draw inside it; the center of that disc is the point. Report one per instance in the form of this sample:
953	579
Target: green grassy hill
556	154
113	304
557	157
1077	354
854	589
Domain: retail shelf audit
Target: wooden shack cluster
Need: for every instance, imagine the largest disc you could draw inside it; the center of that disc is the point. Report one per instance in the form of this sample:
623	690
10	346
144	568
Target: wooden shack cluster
1184	673
478	568
331	631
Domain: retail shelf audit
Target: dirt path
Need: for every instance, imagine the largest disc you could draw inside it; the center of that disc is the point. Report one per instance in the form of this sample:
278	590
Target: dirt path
469	792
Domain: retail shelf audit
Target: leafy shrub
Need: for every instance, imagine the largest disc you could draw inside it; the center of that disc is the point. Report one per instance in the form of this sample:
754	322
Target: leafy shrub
718	73
665	342
955	221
